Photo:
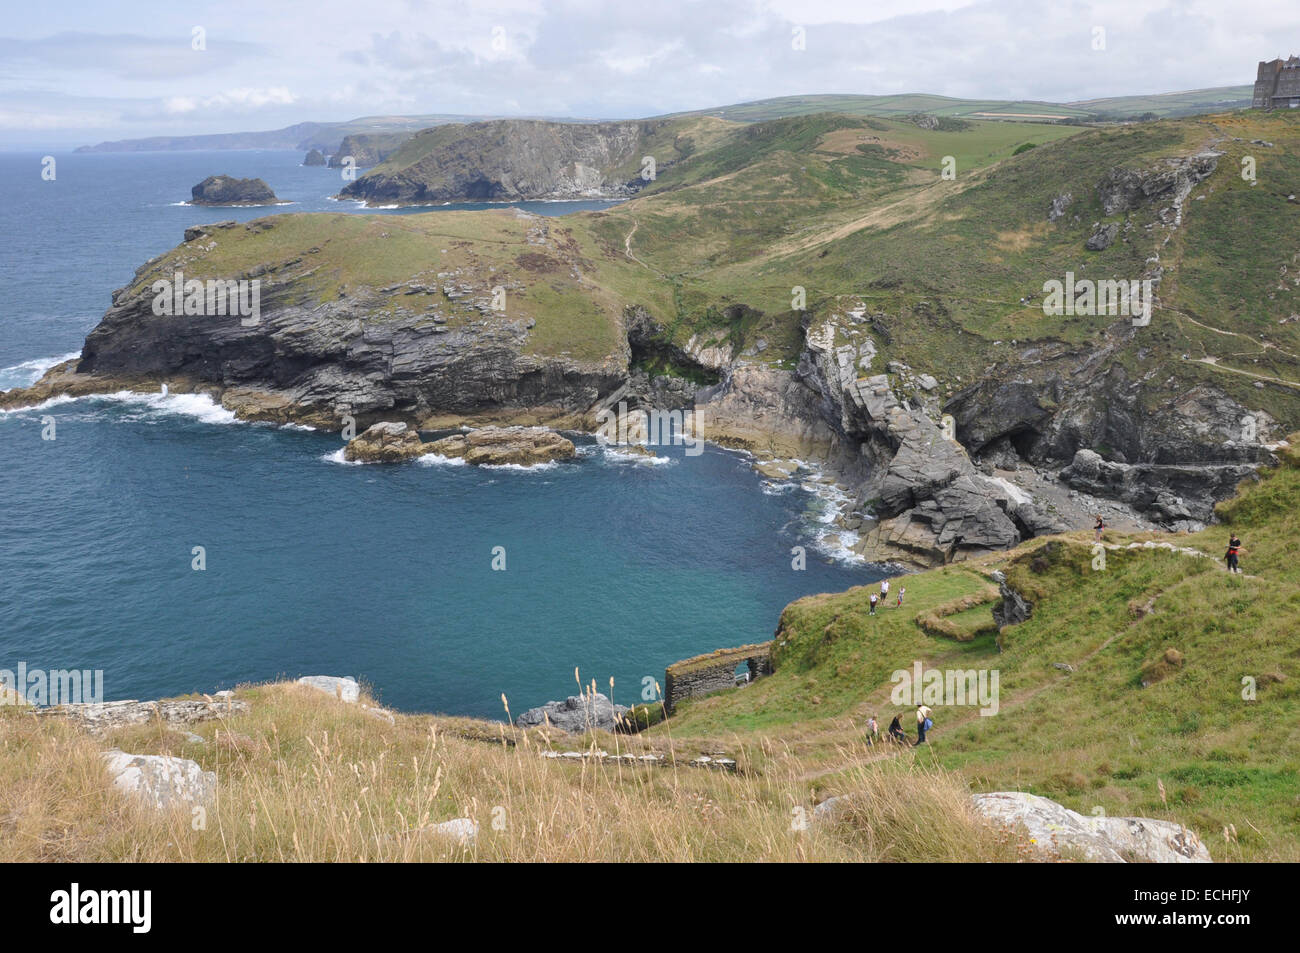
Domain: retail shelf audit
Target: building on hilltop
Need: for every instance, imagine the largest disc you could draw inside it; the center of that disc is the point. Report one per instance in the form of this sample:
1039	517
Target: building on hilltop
1277	84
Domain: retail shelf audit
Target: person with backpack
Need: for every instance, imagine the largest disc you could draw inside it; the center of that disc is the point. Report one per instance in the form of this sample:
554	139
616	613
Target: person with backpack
1234	550
923	723
1100	527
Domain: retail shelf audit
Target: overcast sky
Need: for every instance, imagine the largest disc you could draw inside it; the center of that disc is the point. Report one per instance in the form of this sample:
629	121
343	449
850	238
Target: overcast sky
88	70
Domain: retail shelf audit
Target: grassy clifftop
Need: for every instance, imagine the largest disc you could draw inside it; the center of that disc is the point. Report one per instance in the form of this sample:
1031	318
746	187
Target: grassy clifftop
1156	684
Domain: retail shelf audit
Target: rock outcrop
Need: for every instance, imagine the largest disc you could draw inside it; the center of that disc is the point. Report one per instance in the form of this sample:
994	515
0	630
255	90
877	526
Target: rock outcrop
1099	838
502	446
1123	190
225	190
98	718
511	159
1179	496
385	442
576	714
314	158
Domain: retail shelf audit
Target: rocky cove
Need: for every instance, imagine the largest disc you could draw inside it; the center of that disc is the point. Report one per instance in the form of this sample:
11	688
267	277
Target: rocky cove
925	480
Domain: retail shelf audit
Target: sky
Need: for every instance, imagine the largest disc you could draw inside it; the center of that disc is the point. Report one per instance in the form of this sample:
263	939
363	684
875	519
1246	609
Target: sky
89	70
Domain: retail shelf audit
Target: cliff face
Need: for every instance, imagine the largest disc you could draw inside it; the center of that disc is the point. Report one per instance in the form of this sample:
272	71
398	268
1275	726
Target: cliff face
367	149
510	159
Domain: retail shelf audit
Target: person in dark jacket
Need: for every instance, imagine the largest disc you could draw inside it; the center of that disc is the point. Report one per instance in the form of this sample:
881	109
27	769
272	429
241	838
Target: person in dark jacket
1234	550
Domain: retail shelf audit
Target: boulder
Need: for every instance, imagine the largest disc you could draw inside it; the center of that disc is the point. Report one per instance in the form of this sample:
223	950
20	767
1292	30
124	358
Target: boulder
1104	839
1103	237
160	781
226	190
497	446
386	442
345	688
460	829
576	714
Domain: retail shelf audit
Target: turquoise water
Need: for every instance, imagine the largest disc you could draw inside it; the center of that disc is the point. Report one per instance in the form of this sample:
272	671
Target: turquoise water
613	566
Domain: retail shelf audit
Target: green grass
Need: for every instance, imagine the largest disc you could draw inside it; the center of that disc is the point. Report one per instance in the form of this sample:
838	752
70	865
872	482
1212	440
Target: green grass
1095	737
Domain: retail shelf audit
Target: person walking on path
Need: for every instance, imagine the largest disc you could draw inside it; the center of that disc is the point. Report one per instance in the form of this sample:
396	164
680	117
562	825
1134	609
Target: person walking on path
1234	550
1100	527
922	723
902	590
873	731
884	591
874	599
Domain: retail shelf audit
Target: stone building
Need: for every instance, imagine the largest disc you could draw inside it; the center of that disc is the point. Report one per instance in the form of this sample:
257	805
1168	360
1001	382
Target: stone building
1277	84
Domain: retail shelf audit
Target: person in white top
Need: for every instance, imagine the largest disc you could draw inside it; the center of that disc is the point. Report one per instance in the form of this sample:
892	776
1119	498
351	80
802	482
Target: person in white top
922	713
884	590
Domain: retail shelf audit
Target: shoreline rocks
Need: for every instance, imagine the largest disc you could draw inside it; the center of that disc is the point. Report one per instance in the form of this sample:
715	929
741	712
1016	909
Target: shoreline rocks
385	442
501	446
576	714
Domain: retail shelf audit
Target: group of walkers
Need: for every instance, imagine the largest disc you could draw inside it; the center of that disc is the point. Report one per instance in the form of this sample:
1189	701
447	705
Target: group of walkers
883	598
896	734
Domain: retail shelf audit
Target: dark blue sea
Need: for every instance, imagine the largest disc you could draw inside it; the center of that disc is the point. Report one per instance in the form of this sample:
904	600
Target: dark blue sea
614	567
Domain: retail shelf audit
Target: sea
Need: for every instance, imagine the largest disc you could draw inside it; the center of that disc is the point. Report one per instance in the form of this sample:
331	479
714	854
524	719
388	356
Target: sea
176	549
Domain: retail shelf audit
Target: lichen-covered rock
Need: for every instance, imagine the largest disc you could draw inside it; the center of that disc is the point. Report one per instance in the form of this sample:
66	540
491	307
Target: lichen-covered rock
160	781
386	442
226	190
343	688
498	446
576	714
1099	838
100	717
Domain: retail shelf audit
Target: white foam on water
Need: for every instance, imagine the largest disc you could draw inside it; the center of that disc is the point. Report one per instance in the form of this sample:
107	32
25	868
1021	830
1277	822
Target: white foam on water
337	457
297	427
621	456
27	373
529	468
200	407
43	405
438	460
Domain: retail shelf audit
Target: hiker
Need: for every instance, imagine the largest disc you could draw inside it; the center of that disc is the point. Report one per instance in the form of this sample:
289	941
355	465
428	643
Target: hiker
902	590
923	723
1100	527
874	598
884	591
873	731
896	731
1234	550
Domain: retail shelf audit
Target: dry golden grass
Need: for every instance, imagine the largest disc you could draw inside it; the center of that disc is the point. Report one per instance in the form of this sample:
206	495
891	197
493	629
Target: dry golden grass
303	777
